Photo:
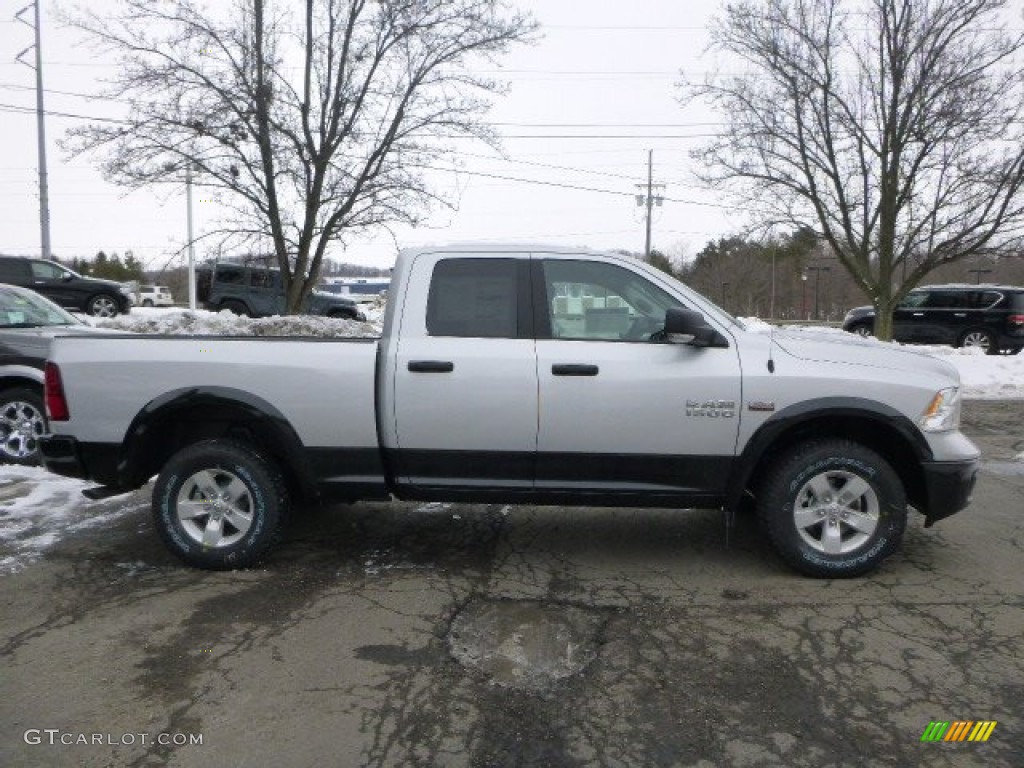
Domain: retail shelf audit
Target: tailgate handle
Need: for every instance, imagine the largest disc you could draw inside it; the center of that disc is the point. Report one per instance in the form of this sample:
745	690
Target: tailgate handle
567	369
431	366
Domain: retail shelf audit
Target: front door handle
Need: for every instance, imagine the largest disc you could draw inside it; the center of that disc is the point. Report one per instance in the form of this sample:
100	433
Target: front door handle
919	314
574	369
431	366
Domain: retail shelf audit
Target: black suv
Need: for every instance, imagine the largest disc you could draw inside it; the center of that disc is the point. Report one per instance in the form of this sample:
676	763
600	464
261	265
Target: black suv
987	316
103	298
257	292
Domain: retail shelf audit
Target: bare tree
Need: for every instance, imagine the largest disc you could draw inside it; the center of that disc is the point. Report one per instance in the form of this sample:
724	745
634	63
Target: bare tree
318	117
892	128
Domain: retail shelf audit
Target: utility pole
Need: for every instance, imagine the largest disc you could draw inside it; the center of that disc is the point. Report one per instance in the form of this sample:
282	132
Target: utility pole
191	239
44	194
650	199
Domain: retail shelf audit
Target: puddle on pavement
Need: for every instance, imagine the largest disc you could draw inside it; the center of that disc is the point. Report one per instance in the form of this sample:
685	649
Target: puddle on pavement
524	645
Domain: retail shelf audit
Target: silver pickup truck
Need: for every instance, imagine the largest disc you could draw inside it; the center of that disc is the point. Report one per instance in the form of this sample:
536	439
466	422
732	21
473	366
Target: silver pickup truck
520	374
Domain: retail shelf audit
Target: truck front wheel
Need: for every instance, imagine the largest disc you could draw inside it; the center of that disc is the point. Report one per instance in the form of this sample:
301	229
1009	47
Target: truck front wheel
833	508
219	505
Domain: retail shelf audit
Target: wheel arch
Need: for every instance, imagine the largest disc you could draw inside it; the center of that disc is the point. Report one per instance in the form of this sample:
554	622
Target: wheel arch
884	430
186	416
228	301
21	376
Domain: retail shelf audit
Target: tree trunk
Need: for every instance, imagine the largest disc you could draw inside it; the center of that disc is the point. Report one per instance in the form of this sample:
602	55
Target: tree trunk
883	318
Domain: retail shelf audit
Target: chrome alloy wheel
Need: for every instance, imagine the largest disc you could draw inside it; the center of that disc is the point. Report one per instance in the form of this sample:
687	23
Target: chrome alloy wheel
215	508
103	306
836	512
977	339
21	425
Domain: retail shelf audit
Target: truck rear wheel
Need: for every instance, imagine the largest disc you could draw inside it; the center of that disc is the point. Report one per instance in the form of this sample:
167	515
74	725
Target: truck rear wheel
833	508
218	505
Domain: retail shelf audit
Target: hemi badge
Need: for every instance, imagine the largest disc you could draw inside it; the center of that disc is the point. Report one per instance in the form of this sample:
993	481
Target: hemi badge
760	405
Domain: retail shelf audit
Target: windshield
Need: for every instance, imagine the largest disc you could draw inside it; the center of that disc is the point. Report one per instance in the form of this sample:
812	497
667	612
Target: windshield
25	309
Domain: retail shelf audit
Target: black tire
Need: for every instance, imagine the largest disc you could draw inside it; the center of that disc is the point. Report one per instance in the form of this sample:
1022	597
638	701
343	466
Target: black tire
245	496
979	337
862	329
235	307
102	305
22	422
802	508
344	314
147	302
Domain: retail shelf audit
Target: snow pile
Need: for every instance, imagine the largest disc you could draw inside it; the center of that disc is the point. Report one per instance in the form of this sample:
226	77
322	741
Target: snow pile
38	509
224	323
984	377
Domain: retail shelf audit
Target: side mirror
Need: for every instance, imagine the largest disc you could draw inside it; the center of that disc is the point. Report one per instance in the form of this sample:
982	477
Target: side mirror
67	277
685	326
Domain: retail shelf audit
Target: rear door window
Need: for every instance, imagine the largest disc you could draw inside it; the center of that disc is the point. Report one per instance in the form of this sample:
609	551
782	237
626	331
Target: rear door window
946	300
476	298
231	275
14	270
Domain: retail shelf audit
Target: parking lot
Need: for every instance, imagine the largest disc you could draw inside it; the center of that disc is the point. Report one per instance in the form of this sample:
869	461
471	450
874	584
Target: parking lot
409	634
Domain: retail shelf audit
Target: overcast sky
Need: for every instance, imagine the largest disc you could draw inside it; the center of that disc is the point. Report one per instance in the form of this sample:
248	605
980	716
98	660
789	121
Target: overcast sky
592	97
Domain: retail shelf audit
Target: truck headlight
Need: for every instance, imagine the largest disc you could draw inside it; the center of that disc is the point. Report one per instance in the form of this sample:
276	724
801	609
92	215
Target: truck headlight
943	412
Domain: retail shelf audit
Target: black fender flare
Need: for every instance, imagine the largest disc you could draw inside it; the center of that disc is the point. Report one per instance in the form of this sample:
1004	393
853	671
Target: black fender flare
133	469
801	418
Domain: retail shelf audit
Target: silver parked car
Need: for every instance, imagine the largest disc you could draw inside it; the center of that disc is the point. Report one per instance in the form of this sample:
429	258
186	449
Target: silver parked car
27	323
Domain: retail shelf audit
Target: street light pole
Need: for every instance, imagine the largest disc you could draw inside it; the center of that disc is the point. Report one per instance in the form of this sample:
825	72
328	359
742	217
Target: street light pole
977	274
817	284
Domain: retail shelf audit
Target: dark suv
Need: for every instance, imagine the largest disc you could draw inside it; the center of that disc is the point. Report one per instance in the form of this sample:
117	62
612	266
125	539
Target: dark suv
257	292
102	298
987	316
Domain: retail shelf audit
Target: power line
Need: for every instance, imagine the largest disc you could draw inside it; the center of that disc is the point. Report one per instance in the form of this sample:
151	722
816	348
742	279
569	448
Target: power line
17	109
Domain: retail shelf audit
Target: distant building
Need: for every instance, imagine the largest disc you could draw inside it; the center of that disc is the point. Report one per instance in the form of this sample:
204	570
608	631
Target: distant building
356	288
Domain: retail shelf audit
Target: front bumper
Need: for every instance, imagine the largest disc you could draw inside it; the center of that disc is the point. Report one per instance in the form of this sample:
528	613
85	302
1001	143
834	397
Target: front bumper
948	486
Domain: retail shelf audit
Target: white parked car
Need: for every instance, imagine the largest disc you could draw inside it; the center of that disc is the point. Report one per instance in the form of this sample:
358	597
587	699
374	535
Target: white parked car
155	296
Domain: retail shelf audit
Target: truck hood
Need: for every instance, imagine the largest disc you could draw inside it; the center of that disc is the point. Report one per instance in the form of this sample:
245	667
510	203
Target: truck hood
850	349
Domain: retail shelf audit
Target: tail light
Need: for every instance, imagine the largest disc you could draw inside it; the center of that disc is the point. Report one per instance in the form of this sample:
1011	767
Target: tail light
1016	319
53	389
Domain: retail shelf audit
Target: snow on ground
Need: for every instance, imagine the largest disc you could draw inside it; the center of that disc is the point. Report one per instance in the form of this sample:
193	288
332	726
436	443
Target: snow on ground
37	508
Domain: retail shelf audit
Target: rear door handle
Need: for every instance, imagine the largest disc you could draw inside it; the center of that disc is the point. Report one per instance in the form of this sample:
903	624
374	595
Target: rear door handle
431	366
574	369
919	314
959	314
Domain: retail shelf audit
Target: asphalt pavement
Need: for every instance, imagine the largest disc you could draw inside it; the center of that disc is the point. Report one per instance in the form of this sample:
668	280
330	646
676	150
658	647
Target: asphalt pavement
479	635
